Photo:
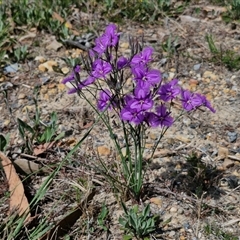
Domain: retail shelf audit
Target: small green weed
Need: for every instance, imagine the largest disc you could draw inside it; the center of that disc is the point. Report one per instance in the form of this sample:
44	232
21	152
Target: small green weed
235	9
200	175
5	40
227	57
40	14
20	54
39	132
137	224
140	10
4	140
101	220
217	232
170	46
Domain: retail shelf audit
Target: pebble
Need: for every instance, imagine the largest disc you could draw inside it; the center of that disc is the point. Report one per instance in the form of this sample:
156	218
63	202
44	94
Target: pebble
47	66
232	136
210	75
124	45
172	233
171	75
180	210
103	151
65	70
21	96
196	66
6	123
173	209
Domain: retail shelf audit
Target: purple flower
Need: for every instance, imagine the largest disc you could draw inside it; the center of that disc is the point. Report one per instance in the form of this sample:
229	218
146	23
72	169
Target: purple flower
161	118
141	100
190	100
132	115
101	44
143	57
122	62
204	102
169	91
81	85
146	78
71	77
111	33
101	68
104	100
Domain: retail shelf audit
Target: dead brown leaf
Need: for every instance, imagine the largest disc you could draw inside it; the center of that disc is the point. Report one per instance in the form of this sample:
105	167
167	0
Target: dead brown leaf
84	125
61	20
28	35
57	17
156	200
27	166
42	148
18	200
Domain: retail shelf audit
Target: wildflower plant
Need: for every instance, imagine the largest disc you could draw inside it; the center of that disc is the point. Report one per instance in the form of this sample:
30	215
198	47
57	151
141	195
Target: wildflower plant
144	103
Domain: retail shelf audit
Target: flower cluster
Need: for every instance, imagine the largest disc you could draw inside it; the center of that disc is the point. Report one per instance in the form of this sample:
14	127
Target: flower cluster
150	99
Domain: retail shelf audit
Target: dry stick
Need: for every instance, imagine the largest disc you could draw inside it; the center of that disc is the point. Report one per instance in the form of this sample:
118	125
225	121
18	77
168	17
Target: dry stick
199	213
234	158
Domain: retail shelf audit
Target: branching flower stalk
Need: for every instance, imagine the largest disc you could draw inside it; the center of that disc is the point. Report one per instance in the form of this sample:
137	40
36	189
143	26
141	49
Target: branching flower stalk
146	103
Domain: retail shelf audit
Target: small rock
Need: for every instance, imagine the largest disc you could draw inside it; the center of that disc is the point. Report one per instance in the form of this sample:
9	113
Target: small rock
55	45
172	233
52	91
156	200
149	145
61	87
182	138
12	68
40	59
153	136
180	210
173	209
171	75
223	152
232	136
6	86
124	45
77	52
227	163
65	70
103	151
6	123
196	67
28	108
21	96
47	66
210	75
186	121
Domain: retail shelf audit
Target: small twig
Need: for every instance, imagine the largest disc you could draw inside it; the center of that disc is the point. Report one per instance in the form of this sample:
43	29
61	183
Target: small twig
76	44
231	222
199	213
234	158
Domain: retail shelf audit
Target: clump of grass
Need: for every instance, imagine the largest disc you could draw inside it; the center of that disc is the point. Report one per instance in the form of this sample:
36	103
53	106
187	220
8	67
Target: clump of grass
214	230
201	176
140	10
226	57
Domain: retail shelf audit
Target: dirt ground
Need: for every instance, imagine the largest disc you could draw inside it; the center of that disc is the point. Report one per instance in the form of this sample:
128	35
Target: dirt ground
196	198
